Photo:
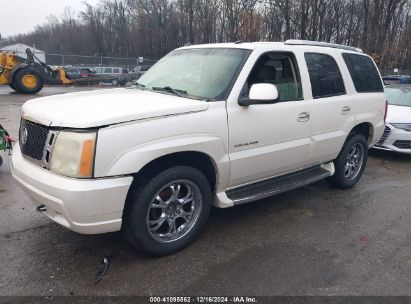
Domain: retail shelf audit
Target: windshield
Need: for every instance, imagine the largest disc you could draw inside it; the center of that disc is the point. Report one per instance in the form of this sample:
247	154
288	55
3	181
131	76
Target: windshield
399	96
197	73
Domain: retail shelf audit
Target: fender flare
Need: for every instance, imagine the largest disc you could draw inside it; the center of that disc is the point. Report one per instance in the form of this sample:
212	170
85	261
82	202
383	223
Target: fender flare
131	161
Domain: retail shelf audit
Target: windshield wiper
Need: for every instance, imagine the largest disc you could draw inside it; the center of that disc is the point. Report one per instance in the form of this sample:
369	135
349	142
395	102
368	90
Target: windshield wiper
176	92
139	84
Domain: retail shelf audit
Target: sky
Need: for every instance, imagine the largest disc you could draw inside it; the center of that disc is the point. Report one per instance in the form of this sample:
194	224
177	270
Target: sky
21	16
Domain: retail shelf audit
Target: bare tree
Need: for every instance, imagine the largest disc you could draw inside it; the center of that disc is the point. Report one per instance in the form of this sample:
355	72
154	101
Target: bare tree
153	27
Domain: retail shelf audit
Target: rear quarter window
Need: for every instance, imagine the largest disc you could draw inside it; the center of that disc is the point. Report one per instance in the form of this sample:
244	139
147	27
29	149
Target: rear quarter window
363	72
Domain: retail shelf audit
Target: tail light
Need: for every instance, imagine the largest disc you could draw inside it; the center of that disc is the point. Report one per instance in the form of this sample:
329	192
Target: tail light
386	111
83	75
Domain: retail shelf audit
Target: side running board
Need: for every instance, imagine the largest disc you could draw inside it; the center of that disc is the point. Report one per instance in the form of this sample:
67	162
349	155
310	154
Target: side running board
277	185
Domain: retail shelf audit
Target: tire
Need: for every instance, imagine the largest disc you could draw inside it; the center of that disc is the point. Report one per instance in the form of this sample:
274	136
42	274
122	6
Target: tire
12	86
350	163
28	81
114	82
141	221
1	161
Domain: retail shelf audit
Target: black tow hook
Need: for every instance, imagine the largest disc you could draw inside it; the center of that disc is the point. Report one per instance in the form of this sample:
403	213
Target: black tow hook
41	208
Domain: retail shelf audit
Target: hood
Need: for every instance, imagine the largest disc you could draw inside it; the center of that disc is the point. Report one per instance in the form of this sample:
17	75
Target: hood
398	114
106	107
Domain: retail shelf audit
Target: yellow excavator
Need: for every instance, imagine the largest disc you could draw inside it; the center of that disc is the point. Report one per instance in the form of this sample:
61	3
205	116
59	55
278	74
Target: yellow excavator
28	75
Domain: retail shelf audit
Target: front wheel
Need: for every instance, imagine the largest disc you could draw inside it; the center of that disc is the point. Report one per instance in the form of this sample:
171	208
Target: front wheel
350	163
28	81
114	82
168	212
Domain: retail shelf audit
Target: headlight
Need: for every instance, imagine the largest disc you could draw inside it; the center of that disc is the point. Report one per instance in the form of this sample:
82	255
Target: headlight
73	154
403	126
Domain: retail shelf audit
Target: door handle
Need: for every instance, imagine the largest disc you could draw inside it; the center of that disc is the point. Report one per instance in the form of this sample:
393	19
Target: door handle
345	110
303	116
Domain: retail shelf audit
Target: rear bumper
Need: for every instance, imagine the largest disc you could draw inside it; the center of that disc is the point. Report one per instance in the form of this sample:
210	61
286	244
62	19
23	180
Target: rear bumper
85	206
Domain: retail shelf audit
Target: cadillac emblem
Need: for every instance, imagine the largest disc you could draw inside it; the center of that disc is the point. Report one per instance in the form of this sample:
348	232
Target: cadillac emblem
24	136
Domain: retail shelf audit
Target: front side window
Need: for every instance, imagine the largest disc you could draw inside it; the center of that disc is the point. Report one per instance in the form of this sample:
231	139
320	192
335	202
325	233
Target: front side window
325	76
108	70
363	72
116	70
199	73
279	69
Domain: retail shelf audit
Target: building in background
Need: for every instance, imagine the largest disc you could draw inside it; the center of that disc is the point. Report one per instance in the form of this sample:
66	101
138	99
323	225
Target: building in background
20	50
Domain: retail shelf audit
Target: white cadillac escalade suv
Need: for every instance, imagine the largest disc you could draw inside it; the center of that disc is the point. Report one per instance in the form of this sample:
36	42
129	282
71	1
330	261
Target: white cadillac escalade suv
219	124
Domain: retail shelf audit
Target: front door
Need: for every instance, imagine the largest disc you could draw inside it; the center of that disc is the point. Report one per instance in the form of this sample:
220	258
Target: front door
272	139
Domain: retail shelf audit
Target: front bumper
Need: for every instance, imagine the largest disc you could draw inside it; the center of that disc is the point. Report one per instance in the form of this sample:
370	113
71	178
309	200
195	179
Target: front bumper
394	141
88	206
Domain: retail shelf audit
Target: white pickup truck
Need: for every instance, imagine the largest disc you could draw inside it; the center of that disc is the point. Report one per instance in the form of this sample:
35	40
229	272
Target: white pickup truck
218	124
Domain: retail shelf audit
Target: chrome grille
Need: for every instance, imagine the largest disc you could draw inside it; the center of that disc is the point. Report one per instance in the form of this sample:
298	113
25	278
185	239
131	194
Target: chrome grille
32	139
384	136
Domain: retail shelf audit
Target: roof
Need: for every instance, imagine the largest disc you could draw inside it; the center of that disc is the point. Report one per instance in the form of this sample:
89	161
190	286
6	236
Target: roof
289	43
237	45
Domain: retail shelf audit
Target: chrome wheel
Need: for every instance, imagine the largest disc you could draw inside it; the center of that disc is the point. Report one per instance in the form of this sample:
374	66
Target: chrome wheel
354	161
174	211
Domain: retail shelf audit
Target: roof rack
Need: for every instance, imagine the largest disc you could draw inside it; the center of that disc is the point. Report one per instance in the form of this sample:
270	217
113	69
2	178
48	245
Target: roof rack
322	44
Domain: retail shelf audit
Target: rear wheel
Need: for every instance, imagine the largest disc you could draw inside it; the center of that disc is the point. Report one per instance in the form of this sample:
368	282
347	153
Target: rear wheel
28	81
350	163
168	212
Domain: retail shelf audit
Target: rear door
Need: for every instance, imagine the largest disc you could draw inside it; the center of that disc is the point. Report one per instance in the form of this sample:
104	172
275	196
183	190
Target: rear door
332	110
369	98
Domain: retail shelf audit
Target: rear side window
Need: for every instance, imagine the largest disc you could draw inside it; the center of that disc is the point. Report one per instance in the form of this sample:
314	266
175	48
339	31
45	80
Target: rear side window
108	70
325	77
116	70
363	73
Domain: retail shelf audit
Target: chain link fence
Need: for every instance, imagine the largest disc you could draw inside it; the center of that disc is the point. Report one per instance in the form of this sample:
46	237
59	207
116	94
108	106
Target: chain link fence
392	72
95	61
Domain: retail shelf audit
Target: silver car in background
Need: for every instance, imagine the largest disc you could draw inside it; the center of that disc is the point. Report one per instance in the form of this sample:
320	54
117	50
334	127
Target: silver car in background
397	133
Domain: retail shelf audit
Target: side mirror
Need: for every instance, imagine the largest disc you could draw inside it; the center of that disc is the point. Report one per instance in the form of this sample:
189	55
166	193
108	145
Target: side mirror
261	93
